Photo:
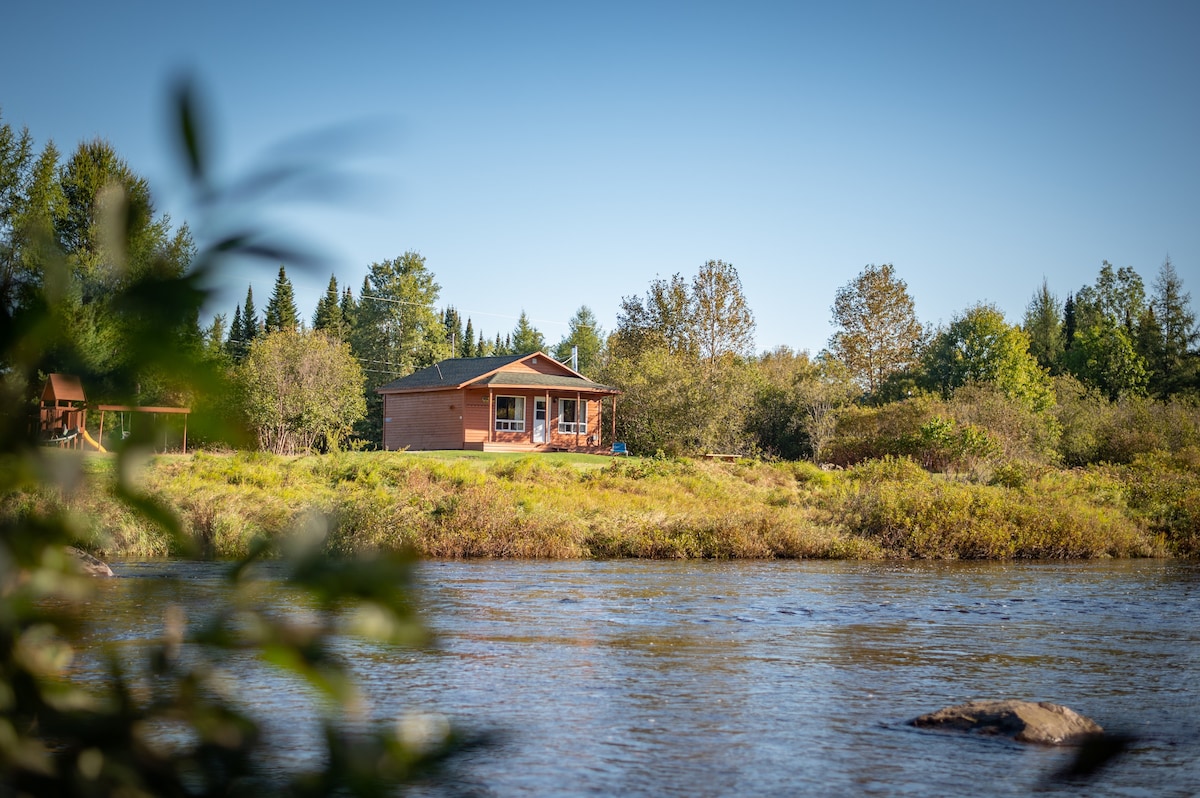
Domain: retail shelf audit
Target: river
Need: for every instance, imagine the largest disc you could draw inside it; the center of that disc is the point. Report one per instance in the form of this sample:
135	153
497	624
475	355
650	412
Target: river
649	678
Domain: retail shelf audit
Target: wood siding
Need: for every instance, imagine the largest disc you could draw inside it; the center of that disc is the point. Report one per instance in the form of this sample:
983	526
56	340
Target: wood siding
423	420
477	417
544	365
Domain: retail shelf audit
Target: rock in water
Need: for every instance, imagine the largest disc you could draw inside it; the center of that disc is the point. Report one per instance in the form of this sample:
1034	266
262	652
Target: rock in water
1025	721
88	564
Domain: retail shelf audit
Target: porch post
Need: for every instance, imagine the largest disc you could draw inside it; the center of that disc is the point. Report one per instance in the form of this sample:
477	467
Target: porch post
578	399
491	421
614	418
549	428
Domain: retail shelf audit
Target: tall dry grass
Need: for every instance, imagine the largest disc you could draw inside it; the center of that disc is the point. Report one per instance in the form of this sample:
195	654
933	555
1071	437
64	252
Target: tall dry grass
543	507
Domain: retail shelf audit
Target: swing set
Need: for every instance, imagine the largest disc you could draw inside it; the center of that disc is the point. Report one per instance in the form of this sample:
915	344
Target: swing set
63	415
153	411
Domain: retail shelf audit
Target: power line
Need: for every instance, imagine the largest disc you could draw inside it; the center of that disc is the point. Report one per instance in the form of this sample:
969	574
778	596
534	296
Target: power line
476	312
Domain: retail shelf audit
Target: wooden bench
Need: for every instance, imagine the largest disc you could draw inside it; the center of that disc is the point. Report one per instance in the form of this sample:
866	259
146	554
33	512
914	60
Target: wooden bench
713	456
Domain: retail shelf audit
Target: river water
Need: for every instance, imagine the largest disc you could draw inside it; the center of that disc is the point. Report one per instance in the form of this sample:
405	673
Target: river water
650	678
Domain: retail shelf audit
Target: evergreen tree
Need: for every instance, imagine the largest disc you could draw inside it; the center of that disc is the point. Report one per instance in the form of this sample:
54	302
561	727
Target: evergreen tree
1173	360
281	308
1044	326
1069	323
397	329
584	334
452	321
235	343
468	346
349	309
214	339
525	338
250	325
328	315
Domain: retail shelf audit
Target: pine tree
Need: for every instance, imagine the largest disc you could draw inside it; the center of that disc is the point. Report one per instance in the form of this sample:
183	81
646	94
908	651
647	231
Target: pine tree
526	338
328	316
1173	361
349	310
1069	323
234	344
467	344
586	337
1043	325
250	324
452	321
281	309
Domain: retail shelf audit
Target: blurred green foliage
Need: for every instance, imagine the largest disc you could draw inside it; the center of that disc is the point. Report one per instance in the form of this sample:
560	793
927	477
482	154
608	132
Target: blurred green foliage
57	739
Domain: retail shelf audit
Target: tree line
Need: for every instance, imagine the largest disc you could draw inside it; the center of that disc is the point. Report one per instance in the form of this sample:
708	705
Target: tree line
356	344
1072	382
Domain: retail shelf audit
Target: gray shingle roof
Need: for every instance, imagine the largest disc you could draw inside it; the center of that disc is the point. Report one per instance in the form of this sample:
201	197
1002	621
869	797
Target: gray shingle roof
462	371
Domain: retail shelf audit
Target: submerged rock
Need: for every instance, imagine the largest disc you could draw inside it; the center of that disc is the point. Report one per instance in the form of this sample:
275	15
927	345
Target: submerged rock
88	564
1024	721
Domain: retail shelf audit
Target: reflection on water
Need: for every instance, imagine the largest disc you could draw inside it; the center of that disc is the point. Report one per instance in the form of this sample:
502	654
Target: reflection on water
660	678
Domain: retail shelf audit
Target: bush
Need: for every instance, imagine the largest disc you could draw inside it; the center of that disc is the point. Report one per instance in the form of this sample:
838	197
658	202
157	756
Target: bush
1164	489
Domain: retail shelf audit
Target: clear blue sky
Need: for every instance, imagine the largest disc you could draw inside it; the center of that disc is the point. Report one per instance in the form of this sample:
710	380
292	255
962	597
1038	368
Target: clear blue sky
544	156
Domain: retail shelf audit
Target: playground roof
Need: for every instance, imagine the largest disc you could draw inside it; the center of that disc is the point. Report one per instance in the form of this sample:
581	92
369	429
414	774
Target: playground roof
63	388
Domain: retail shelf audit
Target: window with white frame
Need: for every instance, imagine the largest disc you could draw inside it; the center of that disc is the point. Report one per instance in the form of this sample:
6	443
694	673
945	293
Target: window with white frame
510	413
572	417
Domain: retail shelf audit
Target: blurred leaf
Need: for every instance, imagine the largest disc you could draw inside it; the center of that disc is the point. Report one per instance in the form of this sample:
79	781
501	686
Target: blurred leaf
184	98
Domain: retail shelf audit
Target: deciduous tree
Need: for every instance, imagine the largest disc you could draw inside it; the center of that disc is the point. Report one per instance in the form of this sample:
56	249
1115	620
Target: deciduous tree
705	328
1104	349
879	334
721	322
979	346
300	391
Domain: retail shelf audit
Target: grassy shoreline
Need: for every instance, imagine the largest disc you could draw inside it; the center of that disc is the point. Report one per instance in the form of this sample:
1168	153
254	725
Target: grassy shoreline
463	505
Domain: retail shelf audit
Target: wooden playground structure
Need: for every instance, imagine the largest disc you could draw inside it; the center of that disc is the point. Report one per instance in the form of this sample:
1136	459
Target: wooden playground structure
62	417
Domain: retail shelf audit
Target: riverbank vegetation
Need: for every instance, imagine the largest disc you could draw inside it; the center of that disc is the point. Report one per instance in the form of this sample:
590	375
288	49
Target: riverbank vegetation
577	506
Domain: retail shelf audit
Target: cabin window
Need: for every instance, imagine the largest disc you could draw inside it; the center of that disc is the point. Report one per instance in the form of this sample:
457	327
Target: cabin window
510	413
572	416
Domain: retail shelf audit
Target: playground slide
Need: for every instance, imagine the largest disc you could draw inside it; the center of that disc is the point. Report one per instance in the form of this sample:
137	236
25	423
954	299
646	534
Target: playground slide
88	438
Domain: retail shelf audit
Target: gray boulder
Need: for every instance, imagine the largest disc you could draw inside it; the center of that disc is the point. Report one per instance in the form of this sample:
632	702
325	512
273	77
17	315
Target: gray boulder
1024	721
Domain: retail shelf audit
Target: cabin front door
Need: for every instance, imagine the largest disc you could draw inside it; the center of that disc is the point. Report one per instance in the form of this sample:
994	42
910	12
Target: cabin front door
539	420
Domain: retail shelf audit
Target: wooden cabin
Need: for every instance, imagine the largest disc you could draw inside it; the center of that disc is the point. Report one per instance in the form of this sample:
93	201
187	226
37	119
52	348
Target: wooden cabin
512	403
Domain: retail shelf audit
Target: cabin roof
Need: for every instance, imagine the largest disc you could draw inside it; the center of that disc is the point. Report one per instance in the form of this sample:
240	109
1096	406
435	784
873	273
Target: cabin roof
457	373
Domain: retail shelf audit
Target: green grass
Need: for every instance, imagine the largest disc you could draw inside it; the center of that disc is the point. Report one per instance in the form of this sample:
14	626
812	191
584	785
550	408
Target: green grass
476	504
